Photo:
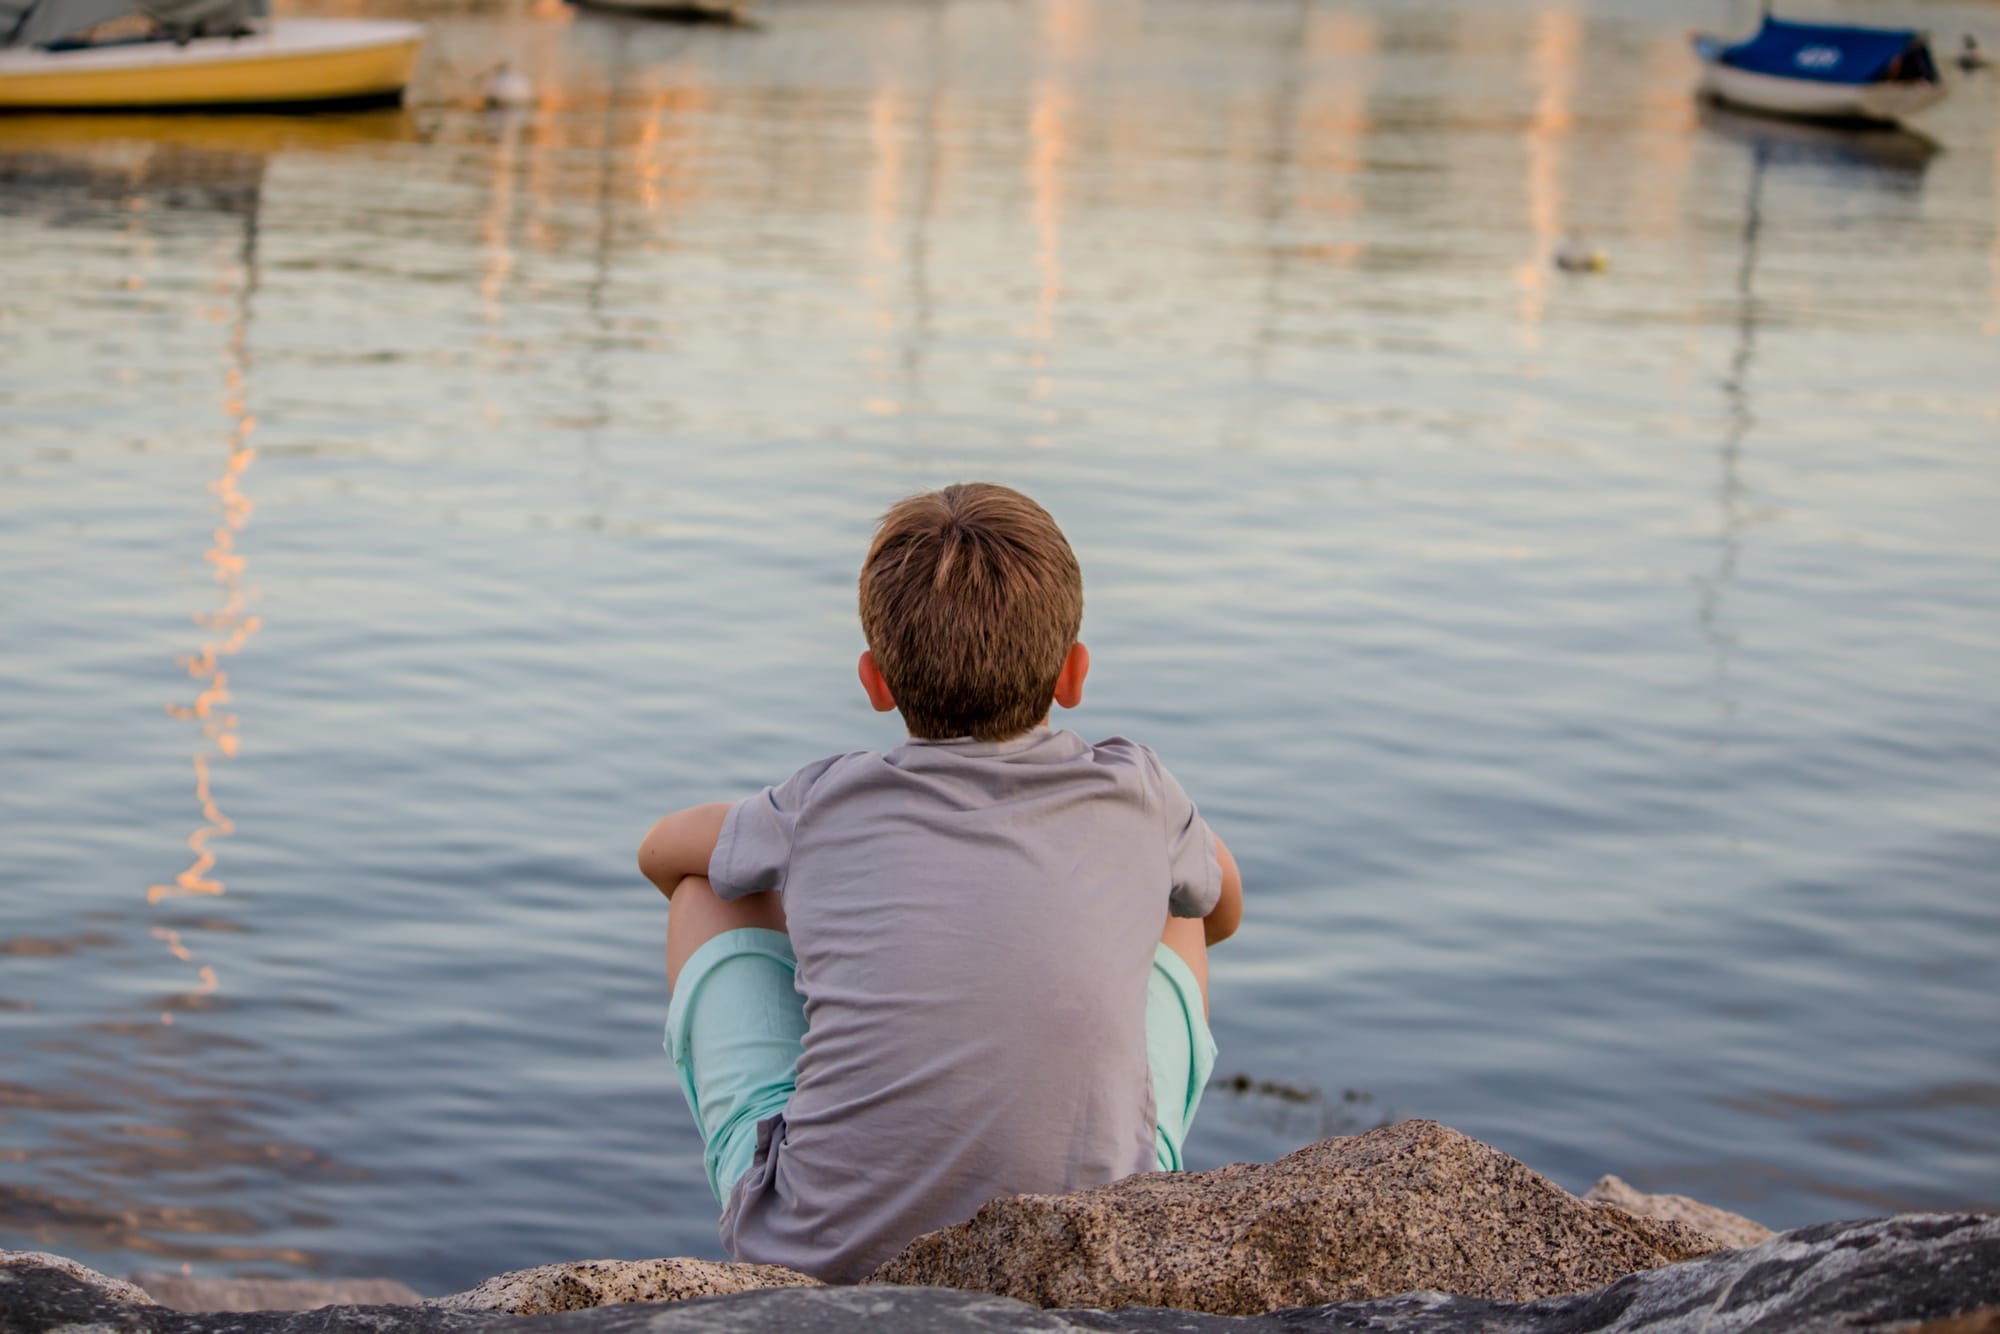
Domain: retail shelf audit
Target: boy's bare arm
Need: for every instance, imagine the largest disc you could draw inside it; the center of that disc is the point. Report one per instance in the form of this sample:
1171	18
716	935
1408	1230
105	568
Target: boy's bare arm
1222	920
680	845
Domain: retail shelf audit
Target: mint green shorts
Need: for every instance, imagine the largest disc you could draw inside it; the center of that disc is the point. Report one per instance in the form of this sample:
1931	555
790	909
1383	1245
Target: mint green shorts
736	1022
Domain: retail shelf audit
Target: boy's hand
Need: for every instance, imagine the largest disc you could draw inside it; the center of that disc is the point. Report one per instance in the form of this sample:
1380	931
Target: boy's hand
680	845
1222	920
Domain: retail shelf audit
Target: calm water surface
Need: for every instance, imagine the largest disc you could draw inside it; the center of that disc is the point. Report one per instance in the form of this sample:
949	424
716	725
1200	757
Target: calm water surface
399	511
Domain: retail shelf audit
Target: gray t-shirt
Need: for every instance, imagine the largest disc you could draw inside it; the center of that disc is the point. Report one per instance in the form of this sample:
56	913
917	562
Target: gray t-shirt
974	923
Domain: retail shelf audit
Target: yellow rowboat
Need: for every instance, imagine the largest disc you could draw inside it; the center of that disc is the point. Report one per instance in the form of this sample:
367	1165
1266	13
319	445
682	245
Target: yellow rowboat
295	62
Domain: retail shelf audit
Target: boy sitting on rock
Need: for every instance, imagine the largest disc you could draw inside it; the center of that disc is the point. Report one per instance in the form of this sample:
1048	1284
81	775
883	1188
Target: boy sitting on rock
974	965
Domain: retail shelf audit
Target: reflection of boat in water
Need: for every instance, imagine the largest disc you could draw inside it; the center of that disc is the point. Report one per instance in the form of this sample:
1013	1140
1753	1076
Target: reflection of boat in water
240	132
75	191
1822	71
61	163
1887	148
142	54
725	12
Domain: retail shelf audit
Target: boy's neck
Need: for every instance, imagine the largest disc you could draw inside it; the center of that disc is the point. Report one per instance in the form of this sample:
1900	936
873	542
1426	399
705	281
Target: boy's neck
1041	726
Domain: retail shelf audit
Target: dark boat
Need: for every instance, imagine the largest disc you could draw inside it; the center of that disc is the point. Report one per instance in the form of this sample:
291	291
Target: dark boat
1822	71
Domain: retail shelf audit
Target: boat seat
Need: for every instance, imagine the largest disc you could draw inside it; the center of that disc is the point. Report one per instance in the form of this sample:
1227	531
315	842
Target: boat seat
85	44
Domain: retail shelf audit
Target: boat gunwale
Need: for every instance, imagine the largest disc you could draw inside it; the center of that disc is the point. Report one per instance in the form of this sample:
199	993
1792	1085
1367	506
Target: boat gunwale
284	39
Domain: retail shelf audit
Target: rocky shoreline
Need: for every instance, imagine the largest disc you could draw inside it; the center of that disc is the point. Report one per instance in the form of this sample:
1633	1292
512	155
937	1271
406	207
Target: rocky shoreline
1410	1228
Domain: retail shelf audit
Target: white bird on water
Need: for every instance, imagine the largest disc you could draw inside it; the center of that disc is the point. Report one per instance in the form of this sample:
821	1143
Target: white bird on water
507	88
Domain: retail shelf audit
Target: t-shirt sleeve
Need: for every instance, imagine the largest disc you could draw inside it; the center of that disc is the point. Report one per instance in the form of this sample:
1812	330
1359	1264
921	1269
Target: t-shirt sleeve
1194	873
754	849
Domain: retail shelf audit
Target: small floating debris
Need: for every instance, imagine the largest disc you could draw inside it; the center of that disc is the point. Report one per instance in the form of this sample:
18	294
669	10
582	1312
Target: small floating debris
508	89
1269	1088
1575	255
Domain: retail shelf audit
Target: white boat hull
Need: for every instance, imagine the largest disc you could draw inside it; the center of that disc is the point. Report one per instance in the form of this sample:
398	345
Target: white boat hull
295	62
1813	99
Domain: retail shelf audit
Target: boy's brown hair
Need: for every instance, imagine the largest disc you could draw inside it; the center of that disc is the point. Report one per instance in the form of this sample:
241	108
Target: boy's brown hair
970	600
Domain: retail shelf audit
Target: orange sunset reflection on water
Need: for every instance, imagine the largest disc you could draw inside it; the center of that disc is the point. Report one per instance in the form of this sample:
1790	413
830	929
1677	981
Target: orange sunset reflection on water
229	628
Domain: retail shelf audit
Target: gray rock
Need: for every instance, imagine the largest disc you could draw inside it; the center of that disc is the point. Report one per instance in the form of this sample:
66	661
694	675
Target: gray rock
1883	1274
117	1289
1915	1274
43	1300
1402	1208
1731	1230
56	1301
843	1310
581	1284
272	1294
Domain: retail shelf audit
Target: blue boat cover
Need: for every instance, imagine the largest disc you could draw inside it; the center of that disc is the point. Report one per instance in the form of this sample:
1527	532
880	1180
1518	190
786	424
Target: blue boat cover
1824	52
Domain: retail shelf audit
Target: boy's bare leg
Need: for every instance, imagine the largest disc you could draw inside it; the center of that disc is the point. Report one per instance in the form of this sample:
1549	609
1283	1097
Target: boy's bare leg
696	916
1187	937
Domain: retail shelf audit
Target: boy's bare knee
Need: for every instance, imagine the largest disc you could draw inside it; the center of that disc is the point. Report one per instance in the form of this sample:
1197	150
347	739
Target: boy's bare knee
697	915
1187	937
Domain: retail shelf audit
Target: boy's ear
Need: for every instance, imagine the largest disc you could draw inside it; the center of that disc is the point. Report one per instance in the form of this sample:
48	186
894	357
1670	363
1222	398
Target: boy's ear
875	683
1069	684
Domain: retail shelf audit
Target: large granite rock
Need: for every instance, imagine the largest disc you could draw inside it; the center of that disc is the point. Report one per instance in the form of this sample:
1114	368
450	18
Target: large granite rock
582	1284
1975	1322
1731	1230
1398	1209
1914	1274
